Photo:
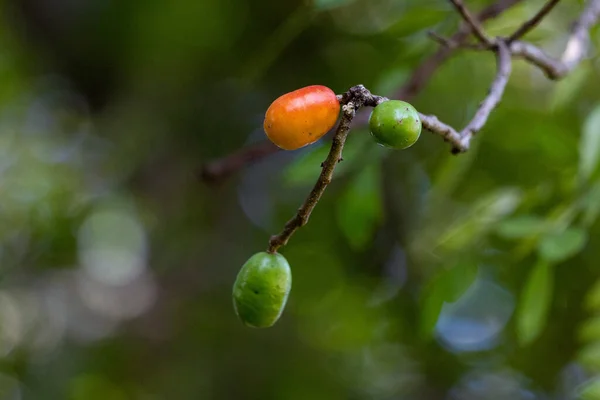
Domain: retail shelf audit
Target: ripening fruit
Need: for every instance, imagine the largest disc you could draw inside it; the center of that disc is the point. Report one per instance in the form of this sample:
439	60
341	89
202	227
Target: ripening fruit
261	289
395	124
301	117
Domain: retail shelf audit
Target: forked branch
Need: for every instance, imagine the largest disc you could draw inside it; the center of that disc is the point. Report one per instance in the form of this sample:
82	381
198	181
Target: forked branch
576	49
472	22
554	68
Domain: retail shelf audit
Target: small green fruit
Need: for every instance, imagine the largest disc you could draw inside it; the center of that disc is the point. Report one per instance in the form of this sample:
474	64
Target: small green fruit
395	124
261	289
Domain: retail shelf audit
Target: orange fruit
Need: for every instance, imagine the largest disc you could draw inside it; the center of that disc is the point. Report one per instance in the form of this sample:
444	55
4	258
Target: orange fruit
301	117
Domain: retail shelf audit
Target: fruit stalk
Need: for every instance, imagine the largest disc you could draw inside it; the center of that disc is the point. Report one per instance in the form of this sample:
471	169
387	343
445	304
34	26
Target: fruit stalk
351	101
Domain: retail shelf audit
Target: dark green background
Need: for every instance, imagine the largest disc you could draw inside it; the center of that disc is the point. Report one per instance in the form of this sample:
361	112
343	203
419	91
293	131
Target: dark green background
420	275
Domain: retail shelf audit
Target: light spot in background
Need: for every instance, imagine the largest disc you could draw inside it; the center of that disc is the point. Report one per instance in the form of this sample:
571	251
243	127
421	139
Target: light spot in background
29	318
493	385
12	324
112	246
378	371
84	325
259	189
51	324
571	379
118	302
476	320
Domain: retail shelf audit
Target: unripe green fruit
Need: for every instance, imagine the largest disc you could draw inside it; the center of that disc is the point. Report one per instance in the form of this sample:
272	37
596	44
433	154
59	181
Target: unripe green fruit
261	289
395	124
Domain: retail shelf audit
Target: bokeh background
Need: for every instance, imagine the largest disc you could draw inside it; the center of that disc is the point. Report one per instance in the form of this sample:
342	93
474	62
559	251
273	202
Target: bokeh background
421	275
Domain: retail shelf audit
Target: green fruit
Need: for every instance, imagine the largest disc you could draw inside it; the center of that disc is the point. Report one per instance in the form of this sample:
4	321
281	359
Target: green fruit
395	124
261	289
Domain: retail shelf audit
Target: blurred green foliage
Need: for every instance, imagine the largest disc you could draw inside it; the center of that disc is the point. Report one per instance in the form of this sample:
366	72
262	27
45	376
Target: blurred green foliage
420	275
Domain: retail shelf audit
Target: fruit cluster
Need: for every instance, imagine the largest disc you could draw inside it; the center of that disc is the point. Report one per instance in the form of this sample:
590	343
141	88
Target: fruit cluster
293	121
304	116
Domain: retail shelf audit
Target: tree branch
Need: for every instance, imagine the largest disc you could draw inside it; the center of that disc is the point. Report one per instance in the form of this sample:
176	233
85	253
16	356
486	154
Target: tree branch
551	67
352	101
358	97
423	72
575	51
472	22
503	62
533	22
219	169
434	125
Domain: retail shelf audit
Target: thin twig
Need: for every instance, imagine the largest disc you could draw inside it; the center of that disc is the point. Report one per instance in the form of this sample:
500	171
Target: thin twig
575	51
552	68
442	40
533	22
471	21
352	101
220	169
434	125
452	45
503	62
578	43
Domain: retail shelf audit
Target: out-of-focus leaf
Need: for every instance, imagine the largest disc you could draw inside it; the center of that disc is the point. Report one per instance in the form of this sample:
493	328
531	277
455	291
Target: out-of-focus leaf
535	302
323	5
559	246
447	286
591	205
391	80
521	227
479	219
590	390
451	172
341	321
590	330
267	53
589	144
366	17
565	90
360	209
589	356
418	18
306	168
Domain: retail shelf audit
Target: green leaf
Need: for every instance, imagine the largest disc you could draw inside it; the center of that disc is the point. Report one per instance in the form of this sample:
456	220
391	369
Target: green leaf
360	207
590	203
521	227
535	302
565	91
447	286
479	219
559	246
590	390
589	144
